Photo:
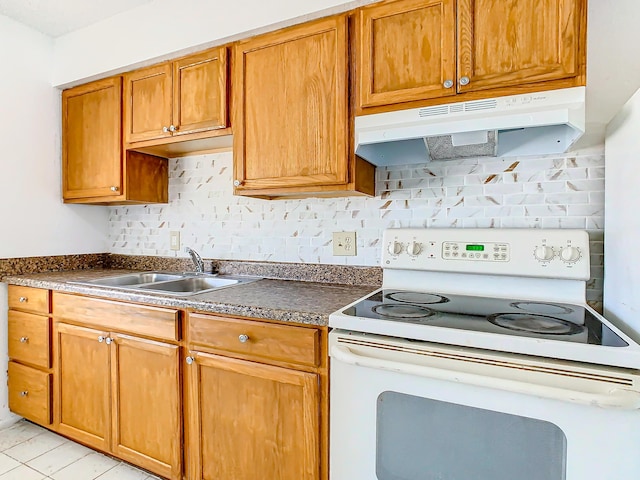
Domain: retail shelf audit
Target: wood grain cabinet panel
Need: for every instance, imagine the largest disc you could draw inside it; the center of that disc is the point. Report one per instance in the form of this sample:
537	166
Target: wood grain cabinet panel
82	386
252	421
30	393
92	139
426	52
503	44
29	338
29	299
95	167
406	51
146	404
177	101
291	113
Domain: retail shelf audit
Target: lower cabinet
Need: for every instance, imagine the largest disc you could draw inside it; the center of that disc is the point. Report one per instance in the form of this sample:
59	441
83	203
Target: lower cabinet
255	395
120	394
249	420
235	399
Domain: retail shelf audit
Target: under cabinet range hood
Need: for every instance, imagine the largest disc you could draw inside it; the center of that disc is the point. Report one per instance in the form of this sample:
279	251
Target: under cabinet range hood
528	124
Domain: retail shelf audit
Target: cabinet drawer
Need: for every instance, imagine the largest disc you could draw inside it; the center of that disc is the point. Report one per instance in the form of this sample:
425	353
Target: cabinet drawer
280	343
29	338
152	322
30	393
29	298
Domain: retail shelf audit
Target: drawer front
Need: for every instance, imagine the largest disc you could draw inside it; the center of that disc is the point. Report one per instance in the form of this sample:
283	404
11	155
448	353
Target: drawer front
29	338
29	299
280	343
30	393
161	323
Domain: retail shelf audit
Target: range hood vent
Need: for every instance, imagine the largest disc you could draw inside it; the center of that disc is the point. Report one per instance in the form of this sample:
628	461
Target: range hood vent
530	124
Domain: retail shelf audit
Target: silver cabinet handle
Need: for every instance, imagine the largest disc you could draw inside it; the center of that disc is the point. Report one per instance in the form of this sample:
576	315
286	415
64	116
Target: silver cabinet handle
173	128
448	83
24	393
464	81
24	339
100	339
189	360
114	189
165	129
108	341
243	338
23	299
236	183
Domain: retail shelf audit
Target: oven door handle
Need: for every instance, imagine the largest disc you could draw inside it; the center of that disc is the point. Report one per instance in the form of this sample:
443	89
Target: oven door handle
614	398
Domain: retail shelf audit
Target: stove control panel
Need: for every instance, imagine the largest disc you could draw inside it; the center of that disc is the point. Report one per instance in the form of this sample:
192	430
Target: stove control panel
552	253
477	252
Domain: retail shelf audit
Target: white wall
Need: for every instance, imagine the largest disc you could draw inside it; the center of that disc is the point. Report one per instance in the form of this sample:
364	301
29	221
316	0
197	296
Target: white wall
162	28
34	220
622	222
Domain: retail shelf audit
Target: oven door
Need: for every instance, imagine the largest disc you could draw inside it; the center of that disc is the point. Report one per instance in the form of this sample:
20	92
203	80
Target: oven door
404	410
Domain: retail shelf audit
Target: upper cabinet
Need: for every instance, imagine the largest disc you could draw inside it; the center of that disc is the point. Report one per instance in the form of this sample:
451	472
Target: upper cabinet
92	139
95	168
415	50
177	101
292	131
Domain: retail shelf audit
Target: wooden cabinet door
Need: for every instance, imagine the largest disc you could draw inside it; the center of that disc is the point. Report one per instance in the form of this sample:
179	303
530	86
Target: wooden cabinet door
148	103
291	108
82	380
92	139
509	43
249	420
406	51
146	404
200	92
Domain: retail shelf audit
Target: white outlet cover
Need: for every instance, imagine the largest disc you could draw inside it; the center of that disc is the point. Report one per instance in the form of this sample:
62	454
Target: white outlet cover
344	243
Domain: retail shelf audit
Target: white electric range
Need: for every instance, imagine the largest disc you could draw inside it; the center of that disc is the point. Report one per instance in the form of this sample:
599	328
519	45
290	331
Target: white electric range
479	356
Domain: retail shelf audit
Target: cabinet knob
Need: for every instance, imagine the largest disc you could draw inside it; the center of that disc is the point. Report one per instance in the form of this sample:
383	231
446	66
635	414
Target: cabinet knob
243	338
173	128
236	183
165	129
24	393
24	339
448	83
464	81
114	189
23	299
189	360
108	341
100	339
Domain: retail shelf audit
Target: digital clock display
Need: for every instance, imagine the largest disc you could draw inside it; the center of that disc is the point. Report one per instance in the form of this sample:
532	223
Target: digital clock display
475	248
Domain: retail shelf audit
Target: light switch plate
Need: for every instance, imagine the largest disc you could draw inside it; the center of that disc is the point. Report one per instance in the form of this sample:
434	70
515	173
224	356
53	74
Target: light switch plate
174	241
344	243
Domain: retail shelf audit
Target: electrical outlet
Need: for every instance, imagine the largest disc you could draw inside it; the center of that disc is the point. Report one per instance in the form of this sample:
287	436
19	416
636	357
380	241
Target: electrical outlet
344	243
174	241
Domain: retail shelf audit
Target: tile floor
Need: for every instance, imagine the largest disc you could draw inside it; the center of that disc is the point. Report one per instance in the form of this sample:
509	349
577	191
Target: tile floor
29	452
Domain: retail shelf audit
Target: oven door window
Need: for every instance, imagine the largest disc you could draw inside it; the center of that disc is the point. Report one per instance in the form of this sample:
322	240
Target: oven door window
423	439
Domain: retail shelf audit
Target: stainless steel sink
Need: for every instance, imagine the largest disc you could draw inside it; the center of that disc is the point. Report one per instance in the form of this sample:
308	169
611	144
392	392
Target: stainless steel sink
135	279
182	284
191	285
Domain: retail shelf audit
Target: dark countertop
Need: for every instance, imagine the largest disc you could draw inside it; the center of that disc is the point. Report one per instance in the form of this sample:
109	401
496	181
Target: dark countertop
282	300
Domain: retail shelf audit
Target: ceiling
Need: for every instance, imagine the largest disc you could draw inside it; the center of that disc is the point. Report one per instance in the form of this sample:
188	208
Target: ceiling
57	17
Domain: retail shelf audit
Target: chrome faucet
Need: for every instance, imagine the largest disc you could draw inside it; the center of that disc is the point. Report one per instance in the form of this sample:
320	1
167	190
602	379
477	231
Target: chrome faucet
197	259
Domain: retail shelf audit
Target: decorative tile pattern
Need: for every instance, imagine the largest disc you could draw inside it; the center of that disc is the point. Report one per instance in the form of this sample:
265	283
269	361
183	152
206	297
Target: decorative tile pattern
564	191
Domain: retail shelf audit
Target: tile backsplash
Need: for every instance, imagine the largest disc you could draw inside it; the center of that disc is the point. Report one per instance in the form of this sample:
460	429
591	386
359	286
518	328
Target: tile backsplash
562	191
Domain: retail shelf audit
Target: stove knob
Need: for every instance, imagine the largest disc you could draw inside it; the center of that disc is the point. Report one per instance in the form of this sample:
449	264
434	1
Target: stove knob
394	248
543	253
414	249
570	254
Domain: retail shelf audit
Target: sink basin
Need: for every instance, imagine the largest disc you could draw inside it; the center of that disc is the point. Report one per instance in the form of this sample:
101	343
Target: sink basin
190	285
135	279
182	284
